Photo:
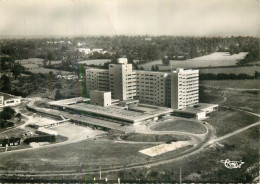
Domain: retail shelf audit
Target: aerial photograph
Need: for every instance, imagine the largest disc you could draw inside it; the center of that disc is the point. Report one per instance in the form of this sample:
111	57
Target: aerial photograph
130	91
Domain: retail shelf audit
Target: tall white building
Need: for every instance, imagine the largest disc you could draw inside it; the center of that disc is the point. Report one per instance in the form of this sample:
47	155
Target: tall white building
185	88
151	87
97	79
122	80
177	89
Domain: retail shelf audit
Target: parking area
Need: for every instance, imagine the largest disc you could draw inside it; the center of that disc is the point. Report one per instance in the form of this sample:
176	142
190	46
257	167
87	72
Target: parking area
75	132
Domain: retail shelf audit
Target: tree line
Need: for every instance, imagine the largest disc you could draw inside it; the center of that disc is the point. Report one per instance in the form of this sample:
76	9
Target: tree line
231	76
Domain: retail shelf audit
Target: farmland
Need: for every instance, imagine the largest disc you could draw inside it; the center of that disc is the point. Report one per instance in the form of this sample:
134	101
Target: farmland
215	59
94	62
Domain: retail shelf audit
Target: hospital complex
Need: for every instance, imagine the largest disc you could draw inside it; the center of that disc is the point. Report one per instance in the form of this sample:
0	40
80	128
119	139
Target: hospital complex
176	89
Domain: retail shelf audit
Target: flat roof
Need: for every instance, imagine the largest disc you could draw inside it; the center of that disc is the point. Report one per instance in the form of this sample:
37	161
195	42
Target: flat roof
202	106
86	119
97	69
114	112
190	110
199	108
8	96
69	101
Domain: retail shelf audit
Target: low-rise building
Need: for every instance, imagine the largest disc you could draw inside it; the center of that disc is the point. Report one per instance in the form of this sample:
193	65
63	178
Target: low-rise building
9	100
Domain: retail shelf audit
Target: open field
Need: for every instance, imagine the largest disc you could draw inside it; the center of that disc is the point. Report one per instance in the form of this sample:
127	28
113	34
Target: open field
15	132
206	166
232	84
203	167
153	138
47	70
95	62
226	120
85	154
248	100
213	60
180	125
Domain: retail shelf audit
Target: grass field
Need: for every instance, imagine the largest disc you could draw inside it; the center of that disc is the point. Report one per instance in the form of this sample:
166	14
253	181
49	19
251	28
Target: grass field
206	166
15	132
84	154
235	84
95	62
215	59
248	100
181	125
153	138
226	121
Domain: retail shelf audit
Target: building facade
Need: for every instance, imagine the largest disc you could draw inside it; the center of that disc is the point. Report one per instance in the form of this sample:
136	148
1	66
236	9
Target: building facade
151	87
185	88
122	80
97	79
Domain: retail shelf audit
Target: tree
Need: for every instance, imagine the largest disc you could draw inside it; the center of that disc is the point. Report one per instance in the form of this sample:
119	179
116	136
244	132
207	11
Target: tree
51	75
17	70
156	68
142	68
57	95
165	61
257	75
19	116
152	68
5	83
7	113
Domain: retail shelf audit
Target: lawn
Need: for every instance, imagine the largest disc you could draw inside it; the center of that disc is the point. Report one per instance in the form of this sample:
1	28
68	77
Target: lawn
181	125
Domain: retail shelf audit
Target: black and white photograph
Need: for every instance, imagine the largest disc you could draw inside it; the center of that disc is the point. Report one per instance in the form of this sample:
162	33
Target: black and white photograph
130	91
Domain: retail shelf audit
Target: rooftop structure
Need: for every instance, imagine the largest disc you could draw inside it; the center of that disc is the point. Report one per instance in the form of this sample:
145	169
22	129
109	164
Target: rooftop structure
101	98
198	111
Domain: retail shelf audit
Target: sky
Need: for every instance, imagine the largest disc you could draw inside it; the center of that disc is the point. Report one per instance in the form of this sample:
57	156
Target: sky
130	17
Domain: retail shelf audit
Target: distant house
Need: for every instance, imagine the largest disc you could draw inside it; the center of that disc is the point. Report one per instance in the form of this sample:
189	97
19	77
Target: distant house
9	100
13	141
85	50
